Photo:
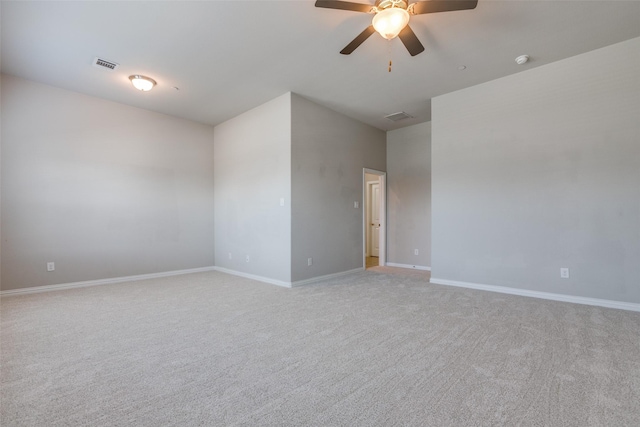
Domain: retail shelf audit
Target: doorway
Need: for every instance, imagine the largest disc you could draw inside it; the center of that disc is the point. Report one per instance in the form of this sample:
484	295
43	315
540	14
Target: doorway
374	218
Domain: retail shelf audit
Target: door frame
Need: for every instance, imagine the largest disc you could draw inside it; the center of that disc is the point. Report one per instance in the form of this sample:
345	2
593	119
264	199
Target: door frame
382	177
368	218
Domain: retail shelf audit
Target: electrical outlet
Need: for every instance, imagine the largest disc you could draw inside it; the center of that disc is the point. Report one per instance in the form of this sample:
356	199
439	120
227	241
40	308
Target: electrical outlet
281	201
230	255
415	252
309	261
356	204
248	258
51	266
564	273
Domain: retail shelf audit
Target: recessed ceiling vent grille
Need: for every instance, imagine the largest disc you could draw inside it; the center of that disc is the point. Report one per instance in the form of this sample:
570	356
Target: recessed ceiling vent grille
104	64
396	117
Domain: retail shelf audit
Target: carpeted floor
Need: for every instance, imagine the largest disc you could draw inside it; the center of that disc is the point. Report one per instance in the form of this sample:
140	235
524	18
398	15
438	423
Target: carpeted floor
376	348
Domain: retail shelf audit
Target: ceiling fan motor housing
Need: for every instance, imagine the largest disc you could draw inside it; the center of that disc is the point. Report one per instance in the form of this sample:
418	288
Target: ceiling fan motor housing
386	4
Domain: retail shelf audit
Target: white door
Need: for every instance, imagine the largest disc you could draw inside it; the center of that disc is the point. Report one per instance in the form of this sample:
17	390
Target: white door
375	220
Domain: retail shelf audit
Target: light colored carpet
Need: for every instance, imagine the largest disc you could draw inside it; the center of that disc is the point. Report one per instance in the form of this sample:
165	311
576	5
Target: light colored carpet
377	348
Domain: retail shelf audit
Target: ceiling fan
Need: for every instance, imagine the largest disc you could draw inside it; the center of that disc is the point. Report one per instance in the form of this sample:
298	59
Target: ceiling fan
391	18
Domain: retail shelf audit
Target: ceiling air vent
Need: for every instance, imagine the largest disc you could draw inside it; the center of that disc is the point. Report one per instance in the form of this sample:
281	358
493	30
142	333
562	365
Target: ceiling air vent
396	117
103	63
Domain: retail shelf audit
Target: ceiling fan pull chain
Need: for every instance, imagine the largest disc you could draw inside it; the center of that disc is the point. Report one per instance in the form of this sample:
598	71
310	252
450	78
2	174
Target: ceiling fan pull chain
390	57
389	65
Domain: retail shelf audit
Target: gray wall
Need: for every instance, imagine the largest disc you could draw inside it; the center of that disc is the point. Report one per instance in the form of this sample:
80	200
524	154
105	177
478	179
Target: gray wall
101	189
328	154
252	174
541	170
409	195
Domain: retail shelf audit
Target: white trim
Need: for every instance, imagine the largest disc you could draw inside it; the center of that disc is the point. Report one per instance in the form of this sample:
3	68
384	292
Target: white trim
62	286
254	277
326	277
367	216
382	256
544	295
382	178
415	267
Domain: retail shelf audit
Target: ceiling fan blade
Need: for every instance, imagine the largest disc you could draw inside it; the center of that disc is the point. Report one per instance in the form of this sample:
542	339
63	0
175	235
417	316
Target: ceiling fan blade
433	6
410	41
344	5
358	40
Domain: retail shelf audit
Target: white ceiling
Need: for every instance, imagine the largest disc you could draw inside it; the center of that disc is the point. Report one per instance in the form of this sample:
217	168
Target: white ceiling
230	56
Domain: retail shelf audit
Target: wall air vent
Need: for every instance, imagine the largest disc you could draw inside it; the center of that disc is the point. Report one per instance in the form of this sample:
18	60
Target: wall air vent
104	64
396	117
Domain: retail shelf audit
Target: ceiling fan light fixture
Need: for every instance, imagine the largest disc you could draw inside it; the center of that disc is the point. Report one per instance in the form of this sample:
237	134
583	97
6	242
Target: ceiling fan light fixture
142	83
389	22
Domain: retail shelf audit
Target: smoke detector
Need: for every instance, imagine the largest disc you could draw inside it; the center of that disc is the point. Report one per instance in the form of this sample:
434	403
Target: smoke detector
522	59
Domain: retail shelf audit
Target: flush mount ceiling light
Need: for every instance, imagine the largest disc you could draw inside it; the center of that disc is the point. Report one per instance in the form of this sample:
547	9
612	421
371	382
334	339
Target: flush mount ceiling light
142	83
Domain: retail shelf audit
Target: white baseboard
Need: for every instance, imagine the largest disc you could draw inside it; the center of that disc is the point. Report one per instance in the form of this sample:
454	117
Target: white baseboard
48	288
544	295
255	277
325	277
414	267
